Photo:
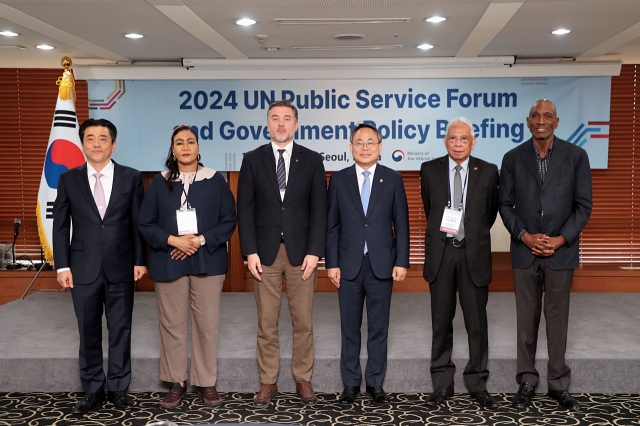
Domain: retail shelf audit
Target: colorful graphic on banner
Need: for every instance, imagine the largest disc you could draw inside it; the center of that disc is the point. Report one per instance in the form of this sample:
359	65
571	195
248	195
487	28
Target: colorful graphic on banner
230	116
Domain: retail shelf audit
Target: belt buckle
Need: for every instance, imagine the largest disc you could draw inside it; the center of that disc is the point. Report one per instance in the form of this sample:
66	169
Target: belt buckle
456	243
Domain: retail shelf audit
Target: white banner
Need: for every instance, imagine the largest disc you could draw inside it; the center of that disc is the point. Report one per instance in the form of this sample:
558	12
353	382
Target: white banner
230	116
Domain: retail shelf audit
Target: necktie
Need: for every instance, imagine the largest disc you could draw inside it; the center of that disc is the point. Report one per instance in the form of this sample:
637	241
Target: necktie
98	195
281	172
364	196
457	198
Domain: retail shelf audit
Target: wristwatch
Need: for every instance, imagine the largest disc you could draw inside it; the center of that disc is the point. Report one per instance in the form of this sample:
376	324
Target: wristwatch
202	241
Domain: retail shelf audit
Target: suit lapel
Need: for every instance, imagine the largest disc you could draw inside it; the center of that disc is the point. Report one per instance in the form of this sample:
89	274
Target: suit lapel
528	156
377	185
472	176
443	173
270	165
116	188
297	157
557	158
354	190
82	180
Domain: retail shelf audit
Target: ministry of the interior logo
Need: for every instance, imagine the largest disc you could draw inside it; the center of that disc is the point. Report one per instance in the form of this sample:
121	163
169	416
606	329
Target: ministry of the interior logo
397	155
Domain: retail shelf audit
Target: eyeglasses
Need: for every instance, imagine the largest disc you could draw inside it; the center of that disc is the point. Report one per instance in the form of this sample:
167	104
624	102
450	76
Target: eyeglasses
369	144
454	139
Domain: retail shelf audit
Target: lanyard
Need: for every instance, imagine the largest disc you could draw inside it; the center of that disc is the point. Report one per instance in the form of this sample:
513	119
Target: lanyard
466	176
186	194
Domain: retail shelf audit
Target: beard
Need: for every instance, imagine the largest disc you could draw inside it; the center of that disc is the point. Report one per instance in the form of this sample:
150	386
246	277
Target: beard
283	139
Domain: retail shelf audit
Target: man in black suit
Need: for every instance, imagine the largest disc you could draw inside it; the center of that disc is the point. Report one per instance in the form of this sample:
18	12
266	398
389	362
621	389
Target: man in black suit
100	260
460	196
545	202
282	219
367	249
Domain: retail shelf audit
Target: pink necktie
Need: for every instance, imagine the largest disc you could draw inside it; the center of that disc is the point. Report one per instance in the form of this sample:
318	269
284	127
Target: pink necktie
98	195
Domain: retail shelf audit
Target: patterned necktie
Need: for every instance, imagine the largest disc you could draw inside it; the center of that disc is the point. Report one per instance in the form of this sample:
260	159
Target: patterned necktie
98	195
457	199
281	172
364	196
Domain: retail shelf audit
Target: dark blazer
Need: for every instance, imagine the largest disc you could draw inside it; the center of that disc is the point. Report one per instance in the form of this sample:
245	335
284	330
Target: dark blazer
565	199
385	226
480	207
113	243
216	213
301	218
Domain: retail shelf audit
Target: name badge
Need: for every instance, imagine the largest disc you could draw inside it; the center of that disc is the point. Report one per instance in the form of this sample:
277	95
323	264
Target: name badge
187	222
451	220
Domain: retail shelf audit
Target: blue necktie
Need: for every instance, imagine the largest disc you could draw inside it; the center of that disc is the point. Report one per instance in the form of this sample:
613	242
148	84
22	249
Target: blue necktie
281	172
364	196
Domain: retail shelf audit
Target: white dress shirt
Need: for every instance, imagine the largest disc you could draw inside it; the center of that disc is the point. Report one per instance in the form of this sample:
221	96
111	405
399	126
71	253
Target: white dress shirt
463	177
359	171
286	155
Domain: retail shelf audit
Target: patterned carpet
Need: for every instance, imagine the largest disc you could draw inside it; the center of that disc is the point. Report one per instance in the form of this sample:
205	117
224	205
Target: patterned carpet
54	409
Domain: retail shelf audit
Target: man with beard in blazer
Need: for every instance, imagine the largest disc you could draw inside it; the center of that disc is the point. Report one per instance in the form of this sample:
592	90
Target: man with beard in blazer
367	249
282	219
100	260
460	196
545	202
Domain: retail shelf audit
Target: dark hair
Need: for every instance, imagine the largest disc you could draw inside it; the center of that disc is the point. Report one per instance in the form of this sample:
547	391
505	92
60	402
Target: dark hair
284	103
365	126
100	122
171	163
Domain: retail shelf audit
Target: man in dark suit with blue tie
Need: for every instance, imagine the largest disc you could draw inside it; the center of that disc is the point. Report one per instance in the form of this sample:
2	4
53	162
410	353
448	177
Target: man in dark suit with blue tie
100	260
460	196
545	202
367	249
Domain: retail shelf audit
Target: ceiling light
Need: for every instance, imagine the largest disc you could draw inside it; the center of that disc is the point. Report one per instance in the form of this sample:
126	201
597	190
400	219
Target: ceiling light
342	21
133	35
561	31
45	47
245	22
9	34
425	46
435	19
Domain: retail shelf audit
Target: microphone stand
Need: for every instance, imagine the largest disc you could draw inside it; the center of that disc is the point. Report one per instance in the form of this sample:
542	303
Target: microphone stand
14	265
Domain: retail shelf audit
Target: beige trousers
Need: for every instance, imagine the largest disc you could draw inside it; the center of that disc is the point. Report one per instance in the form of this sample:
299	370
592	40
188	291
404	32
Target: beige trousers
174	298
268	293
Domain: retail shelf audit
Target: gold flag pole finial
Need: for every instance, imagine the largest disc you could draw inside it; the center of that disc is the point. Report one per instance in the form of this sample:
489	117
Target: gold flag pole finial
67	83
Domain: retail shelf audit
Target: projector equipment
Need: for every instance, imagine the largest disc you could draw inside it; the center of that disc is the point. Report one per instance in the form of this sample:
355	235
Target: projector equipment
16	226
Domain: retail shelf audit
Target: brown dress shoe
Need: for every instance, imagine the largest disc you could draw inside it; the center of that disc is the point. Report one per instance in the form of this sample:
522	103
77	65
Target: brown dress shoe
174	396
266	392
209	396
306	393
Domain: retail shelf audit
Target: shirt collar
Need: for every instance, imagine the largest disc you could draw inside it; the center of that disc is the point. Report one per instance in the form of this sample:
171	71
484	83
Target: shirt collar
371	169
288	148
453	164
535	148
106	172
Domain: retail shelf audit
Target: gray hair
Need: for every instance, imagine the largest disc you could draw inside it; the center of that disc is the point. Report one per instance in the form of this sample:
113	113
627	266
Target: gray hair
460	120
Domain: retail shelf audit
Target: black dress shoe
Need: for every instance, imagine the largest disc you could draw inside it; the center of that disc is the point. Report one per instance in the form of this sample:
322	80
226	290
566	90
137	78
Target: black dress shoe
485	400
439	396
349	395
565	399
88	403
120	399
378	395
524	395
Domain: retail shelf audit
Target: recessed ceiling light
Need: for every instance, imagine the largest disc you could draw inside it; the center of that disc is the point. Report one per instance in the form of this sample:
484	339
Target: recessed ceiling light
45	47
245	22
435	19
560	31
133	35
425	46
9	34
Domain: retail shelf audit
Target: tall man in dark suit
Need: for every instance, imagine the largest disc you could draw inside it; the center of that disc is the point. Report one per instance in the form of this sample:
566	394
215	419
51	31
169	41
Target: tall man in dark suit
545	202
460	196
282	219
100	260
367	249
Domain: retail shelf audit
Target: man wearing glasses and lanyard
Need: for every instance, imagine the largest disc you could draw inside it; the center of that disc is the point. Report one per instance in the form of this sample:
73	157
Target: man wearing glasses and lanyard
460	196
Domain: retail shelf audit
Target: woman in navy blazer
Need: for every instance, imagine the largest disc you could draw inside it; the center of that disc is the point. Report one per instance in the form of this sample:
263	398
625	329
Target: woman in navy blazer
188	269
